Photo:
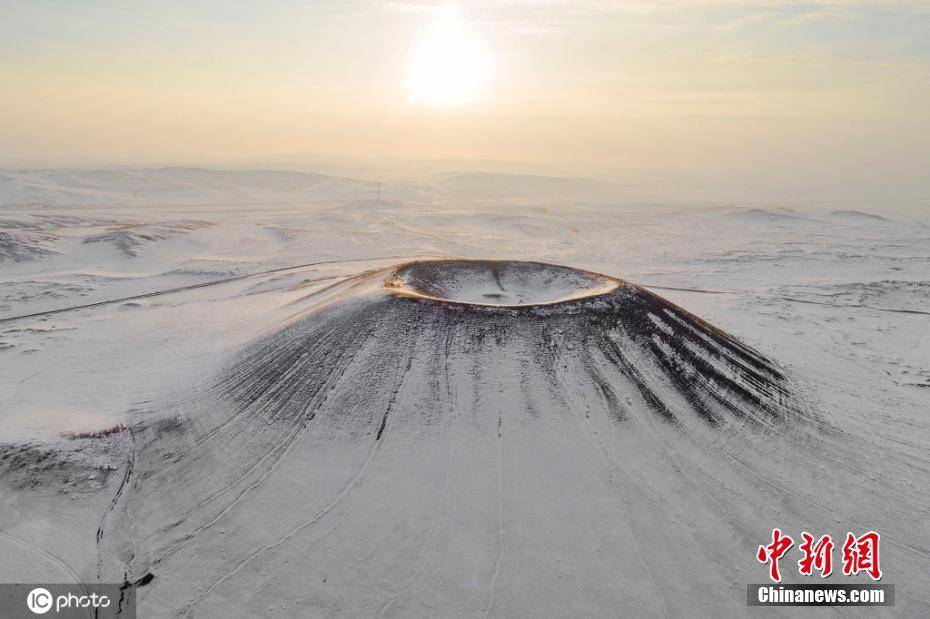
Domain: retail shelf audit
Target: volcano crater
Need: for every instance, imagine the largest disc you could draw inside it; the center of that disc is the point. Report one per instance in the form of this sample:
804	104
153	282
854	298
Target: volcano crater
497	283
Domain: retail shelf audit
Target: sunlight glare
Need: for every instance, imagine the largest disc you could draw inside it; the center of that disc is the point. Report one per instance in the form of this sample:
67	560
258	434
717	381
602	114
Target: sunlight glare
449	67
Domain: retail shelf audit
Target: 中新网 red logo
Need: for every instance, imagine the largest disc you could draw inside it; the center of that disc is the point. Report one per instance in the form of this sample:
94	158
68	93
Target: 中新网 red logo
860	554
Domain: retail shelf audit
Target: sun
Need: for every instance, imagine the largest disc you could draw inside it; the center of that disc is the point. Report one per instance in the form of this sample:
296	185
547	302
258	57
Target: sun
449	67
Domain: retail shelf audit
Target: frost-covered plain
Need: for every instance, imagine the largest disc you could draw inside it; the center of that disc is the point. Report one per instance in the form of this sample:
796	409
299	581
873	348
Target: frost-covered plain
492	488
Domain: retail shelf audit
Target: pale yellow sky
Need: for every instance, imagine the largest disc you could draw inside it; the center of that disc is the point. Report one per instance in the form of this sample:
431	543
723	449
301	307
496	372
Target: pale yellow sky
823	96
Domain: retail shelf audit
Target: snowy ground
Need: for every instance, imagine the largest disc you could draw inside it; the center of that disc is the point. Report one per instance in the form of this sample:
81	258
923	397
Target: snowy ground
166	276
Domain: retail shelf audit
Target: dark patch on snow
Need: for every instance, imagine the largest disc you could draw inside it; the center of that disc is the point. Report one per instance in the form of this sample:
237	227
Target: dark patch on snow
856	215
59	468
22	246
130	239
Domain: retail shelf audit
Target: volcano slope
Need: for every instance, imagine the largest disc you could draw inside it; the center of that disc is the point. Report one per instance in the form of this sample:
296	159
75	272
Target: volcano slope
462	438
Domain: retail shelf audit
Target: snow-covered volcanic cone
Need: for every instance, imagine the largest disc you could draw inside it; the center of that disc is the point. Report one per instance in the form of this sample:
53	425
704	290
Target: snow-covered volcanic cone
461	438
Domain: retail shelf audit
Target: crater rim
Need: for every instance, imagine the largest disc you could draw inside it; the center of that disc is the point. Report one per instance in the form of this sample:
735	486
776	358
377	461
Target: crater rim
497	283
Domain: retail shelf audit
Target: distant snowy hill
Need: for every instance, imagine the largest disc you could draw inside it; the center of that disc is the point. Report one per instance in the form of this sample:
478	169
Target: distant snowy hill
494	185
181	186
174	185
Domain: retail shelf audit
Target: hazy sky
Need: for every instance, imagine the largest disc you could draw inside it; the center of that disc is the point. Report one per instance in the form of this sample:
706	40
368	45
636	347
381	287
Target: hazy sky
816	98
